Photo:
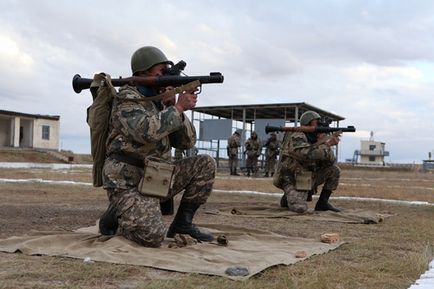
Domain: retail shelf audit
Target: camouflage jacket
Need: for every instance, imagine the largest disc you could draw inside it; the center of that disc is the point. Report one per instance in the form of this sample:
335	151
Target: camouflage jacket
234	142
253	147
297	153
140	129
272	148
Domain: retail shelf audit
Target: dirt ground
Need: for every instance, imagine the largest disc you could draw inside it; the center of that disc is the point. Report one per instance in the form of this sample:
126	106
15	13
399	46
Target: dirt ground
389	255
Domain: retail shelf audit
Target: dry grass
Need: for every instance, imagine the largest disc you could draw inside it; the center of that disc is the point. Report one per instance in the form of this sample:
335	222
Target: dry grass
401	185
391	254
25	155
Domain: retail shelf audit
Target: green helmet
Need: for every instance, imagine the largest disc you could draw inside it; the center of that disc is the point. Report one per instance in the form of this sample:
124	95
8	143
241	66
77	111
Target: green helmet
308	116
146	57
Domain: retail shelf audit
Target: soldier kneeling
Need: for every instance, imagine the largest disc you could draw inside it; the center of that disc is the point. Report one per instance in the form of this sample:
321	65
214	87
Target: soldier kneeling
307	161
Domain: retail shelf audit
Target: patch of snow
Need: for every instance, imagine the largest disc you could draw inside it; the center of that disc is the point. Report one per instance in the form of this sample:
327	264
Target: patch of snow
41	181
426	280
389	201
12	165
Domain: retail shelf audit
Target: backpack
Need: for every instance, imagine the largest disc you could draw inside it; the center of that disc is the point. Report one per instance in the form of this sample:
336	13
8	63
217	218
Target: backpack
282	162
98	117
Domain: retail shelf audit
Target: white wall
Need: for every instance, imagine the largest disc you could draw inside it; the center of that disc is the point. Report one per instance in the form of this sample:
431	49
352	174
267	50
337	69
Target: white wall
53	142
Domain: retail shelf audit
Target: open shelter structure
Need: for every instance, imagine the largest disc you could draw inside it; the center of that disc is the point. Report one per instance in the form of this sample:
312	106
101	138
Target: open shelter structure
217	123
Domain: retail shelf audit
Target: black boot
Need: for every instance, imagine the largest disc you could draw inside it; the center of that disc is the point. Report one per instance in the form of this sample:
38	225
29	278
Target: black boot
309	196
108	222
323	202
235	172
266	175
166	207
284	201
182	224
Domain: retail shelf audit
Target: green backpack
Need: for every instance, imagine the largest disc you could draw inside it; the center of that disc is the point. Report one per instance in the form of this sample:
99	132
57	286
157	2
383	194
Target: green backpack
98	117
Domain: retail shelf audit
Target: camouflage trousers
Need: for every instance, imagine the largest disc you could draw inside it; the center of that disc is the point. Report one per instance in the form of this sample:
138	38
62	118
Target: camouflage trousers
270	164
252	163
233	163
329	176
140	218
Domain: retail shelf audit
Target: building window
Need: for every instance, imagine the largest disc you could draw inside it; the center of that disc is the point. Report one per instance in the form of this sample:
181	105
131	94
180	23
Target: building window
372	147
371	158
46	132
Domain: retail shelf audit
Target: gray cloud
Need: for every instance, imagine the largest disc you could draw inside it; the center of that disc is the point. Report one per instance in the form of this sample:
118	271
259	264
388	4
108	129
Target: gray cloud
370	61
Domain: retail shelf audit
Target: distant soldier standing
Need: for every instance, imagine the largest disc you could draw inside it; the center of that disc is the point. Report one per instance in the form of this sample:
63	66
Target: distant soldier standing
272	150
140	128
307	161
234	142
253	151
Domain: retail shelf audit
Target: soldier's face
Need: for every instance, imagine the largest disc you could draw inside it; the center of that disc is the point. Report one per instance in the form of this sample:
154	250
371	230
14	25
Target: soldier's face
313	123
157	70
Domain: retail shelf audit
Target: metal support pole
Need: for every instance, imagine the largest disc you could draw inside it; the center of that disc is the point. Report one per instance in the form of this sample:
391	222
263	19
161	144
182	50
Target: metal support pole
296	116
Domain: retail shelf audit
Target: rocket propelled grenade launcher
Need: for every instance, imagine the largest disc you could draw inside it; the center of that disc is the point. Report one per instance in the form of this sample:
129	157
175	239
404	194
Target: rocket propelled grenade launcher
309	129
173	76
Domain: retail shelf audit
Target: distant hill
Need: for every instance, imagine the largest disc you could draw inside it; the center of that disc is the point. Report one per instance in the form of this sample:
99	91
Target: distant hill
36	156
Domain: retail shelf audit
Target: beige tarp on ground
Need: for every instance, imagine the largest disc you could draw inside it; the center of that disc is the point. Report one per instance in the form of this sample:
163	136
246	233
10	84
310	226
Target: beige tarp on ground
249	251
353	216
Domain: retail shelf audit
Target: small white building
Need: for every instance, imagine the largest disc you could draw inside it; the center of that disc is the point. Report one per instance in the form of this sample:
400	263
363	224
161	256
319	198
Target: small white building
371	153
23	130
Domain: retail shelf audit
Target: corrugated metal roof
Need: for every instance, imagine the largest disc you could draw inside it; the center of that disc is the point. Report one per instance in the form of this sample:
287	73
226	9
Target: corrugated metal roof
264	111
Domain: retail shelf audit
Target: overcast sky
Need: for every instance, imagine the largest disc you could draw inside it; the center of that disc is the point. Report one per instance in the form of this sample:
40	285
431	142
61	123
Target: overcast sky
371	62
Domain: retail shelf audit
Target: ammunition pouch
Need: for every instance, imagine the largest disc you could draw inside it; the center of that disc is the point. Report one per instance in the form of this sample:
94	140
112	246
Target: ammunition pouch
157	178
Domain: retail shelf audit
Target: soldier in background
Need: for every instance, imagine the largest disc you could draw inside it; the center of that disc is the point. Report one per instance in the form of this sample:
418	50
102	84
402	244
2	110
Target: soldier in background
272	151
234	142
306	161
141	129
191	152
253	151
178	155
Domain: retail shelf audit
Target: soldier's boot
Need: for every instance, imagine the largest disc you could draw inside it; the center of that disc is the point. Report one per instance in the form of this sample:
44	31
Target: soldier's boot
248	172
232	171
284	201
235	172
309	196
323	202
108	222
166	207
297	201
272	174
183	223
266	175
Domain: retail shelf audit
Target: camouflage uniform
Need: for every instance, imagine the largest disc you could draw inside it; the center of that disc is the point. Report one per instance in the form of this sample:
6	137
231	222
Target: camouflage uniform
253	151
234	142
298	155
178	155
141	128
272	150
